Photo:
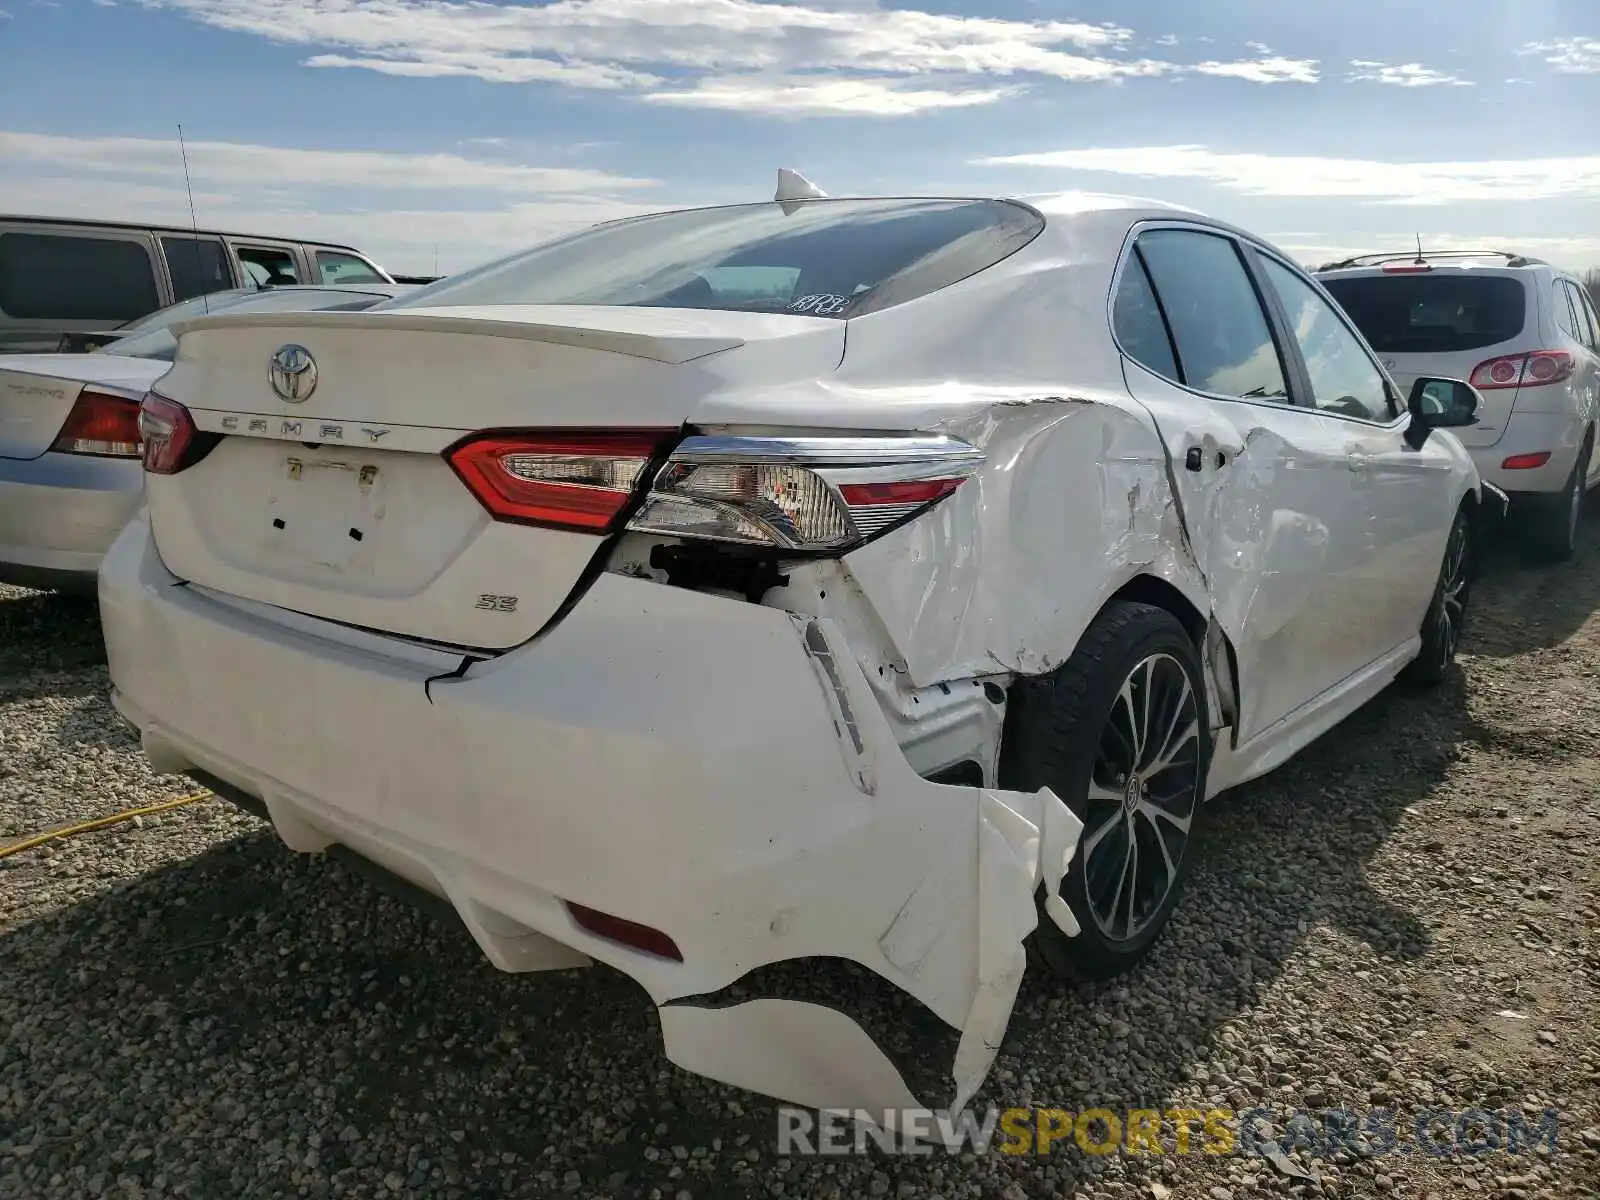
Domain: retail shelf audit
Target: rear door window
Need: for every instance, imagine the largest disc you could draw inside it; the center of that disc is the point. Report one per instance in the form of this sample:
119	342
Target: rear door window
268	266
1225	345
1594	317
1562	302
1586	332
68	277
1432	314
1137	321
197	266
334	267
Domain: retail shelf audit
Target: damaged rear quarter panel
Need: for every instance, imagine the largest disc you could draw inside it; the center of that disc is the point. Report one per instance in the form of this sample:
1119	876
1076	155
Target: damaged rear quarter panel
1072	502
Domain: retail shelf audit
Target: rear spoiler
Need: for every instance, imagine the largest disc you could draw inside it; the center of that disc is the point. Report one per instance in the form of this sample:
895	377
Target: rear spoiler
656	345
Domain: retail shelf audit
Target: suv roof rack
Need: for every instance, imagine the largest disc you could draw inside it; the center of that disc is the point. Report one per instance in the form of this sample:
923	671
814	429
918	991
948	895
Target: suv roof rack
1421	258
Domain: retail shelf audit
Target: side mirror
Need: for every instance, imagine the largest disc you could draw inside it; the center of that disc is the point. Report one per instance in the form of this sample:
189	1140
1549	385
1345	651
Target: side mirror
1438	403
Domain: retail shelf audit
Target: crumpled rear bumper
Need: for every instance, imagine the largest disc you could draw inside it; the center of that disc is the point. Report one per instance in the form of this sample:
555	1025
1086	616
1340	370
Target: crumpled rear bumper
715	770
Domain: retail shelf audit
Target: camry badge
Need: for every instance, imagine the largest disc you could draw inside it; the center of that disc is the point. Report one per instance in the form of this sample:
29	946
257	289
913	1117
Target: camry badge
293	373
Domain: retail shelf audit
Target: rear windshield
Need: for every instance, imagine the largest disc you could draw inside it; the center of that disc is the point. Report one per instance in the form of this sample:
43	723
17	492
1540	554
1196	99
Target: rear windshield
821	258
1432	314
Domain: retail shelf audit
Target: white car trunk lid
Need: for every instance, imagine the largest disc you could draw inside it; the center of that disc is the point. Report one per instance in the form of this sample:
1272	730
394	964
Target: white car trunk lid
342	506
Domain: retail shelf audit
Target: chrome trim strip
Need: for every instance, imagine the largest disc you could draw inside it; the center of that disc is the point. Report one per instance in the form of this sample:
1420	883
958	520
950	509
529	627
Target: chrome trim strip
830	451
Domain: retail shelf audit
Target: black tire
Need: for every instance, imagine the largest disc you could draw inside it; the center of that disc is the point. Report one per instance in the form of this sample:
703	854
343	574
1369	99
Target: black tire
1552	526
1447	611
1069	731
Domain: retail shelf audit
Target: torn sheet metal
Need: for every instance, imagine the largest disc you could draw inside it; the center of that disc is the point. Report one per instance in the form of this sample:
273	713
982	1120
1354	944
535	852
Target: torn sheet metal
1006	573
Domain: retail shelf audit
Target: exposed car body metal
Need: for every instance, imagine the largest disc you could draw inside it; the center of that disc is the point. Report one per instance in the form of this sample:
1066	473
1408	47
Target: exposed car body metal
750	778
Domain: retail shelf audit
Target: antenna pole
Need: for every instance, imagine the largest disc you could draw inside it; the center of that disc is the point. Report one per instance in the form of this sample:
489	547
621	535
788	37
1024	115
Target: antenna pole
194	221
1420	259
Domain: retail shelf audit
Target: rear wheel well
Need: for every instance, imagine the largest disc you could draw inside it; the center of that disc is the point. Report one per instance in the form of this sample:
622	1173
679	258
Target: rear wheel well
1147	589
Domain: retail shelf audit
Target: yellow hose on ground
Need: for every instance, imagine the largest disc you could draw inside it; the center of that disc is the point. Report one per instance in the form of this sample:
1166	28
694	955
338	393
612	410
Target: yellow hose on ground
100	823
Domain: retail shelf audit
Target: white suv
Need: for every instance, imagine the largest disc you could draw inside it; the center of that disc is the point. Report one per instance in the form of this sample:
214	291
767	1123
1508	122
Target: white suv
1527	336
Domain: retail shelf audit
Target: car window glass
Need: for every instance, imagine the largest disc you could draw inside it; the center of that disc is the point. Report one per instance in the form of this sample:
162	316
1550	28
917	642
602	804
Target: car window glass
65	277
196	265
1344	379
820	258
1587	334
1441	313
1594	316
1224	343
268	267
345	268
1563	306
1138	323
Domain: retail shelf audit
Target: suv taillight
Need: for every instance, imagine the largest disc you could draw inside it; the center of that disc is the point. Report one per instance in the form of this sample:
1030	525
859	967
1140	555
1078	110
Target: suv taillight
101	425
562	479
1537	369
169	435
801	494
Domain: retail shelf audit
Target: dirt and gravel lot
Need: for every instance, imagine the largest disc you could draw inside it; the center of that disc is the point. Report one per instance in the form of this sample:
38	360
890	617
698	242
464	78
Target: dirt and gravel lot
1405	919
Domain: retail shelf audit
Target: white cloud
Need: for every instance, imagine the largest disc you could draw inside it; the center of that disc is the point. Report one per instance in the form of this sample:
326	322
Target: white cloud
713	53
814	97
1409	75
1367	179
1268	69
1571	56
241	164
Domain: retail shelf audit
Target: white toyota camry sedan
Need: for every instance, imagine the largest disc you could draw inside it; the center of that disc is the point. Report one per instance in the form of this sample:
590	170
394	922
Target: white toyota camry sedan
742	597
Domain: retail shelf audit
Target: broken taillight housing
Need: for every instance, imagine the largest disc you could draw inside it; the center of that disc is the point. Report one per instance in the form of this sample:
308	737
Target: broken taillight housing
168	432
102	425
564	479
801	494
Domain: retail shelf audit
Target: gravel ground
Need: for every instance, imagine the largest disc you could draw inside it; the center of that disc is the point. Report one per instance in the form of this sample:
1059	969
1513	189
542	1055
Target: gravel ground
1403	918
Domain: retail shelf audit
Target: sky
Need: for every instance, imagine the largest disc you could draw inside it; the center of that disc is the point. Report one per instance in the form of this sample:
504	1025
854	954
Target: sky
437	134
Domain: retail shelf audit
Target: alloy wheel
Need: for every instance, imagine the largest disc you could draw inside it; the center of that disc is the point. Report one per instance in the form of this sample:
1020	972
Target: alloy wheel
1453	588
1142	797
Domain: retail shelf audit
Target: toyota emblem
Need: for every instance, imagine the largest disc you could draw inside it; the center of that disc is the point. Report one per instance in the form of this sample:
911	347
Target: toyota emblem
293	373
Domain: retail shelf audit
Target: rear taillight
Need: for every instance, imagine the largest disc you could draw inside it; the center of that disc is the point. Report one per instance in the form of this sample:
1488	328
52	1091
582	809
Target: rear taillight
100	424
1537	369
564	479
805	494
169	435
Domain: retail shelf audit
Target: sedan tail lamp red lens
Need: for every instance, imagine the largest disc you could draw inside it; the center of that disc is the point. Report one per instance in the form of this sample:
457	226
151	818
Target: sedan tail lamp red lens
169	435
102	425
562	479
1537	369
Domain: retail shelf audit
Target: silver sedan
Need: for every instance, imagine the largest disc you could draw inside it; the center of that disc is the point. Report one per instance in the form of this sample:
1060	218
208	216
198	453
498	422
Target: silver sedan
70	476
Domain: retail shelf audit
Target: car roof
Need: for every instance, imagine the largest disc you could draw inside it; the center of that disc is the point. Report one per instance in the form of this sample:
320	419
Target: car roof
155	227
